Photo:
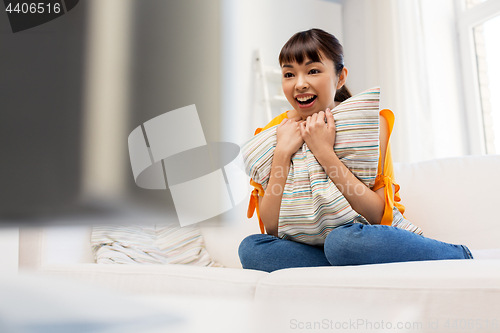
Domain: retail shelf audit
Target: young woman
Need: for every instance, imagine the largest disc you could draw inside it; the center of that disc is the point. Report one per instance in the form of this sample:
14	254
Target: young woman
313	81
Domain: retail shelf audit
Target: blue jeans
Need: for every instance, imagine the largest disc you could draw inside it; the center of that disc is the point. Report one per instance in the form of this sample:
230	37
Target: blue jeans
350	244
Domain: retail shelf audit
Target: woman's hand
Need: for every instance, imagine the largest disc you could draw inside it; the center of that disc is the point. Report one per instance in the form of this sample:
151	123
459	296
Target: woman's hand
288	136
289	141
319	136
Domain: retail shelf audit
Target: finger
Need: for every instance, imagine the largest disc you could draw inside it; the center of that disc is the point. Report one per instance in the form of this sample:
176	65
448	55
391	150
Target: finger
329	118
298	118
283	122
313	117
321	117
302	128
308	122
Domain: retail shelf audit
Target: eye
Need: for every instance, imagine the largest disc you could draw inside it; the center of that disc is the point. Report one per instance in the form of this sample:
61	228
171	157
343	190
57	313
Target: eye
314	71
288	74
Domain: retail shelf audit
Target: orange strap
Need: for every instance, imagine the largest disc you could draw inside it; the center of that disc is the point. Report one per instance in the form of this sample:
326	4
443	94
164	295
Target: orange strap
387	182
253	205
385	177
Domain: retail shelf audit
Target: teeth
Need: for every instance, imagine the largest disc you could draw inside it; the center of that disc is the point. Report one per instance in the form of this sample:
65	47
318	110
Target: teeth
303	99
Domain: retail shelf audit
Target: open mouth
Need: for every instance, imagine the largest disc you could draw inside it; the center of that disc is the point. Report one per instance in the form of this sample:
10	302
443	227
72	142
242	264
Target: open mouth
307	100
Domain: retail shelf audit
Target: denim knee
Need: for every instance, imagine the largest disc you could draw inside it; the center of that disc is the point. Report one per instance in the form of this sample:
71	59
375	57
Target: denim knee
343	246
247	250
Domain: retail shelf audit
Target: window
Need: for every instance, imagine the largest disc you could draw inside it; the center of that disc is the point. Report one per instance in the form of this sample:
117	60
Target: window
488	70
478	24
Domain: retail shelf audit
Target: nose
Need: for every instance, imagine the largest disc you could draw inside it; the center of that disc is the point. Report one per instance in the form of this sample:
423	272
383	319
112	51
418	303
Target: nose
301	83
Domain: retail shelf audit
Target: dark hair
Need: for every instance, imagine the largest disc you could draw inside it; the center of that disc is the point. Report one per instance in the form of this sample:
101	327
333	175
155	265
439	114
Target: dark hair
308	44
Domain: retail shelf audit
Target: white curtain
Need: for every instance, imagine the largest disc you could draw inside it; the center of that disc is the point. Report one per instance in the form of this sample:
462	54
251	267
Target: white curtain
410	49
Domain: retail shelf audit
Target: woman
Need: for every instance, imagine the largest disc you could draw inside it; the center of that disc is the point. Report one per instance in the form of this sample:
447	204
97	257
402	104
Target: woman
313	81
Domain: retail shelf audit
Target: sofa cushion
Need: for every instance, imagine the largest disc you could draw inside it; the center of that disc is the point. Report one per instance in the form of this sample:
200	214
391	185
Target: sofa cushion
452	199
164	279
223	240
421	291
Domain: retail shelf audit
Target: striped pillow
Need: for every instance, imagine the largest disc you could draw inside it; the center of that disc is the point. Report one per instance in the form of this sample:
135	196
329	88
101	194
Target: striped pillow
312	205
153	244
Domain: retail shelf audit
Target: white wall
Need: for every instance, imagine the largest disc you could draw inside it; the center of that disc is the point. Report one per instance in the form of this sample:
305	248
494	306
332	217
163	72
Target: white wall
265	25
362	24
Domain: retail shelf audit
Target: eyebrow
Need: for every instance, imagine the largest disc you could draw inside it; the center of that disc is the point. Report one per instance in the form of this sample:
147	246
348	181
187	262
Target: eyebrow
307	63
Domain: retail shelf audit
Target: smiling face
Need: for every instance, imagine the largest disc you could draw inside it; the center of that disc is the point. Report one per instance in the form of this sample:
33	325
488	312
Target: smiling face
310	87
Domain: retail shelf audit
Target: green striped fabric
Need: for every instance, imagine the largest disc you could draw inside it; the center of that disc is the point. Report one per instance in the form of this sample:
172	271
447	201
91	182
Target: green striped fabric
153	244
312	205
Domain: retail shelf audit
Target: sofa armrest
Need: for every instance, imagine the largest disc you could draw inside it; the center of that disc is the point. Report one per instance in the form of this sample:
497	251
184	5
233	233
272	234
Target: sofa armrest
39	246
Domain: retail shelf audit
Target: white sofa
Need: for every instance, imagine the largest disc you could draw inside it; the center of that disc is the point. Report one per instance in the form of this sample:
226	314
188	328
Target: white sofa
452	200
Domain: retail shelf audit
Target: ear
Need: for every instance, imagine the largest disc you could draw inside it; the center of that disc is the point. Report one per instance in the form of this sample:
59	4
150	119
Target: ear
342	78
